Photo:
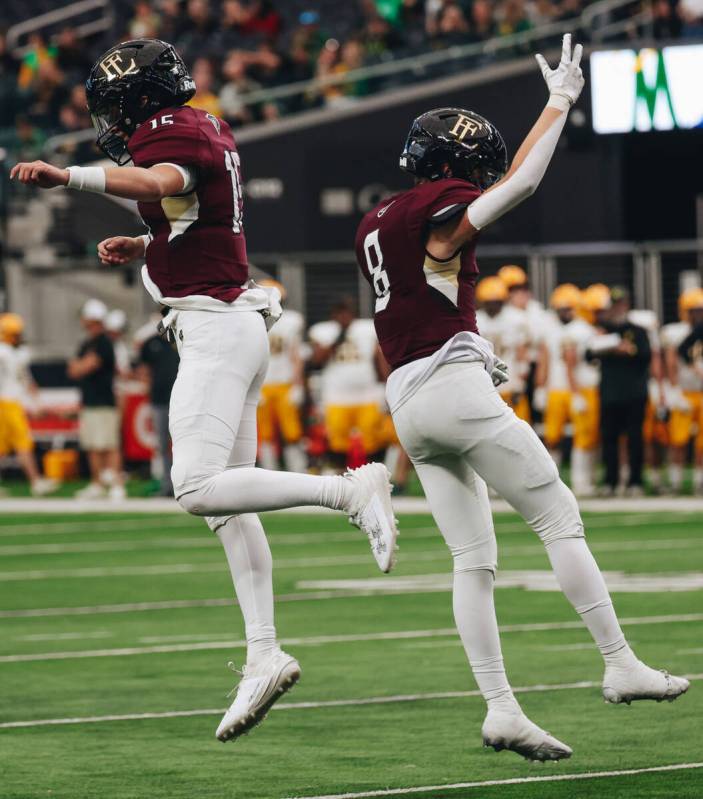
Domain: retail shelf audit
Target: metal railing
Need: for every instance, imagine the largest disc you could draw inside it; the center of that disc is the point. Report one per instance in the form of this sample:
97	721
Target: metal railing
51	19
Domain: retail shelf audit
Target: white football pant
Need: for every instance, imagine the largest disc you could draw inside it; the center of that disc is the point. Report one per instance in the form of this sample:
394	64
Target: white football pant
212	420
460	436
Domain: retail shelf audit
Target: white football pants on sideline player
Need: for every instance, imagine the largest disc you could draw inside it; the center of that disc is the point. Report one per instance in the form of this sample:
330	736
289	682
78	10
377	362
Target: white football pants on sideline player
477	439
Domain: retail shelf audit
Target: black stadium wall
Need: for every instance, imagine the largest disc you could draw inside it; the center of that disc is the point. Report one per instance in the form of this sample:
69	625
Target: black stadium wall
309	182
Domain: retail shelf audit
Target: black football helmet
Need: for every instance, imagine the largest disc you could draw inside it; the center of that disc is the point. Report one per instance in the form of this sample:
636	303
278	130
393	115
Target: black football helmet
129	83
455	143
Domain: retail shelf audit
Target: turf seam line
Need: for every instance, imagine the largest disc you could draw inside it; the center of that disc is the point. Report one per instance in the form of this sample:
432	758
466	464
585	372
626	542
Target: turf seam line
330	703
586	775
390	635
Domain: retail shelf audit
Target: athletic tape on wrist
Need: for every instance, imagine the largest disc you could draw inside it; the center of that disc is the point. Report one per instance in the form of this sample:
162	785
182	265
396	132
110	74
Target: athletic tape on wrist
87	178
561	102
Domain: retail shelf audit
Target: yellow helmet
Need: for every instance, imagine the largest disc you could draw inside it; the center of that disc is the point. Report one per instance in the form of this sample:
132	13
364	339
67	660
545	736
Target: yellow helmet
594	298
11	326
567	295
690	299
491	289
269	282
512	275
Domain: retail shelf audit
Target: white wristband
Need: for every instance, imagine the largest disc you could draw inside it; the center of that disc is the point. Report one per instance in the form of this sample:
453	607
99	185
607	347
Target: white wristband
86	178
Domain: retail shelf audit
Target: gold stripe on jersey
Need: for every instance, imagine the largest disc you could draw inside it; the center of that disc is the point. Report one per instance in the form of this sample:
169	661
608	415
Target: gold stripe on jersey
443	275
181	212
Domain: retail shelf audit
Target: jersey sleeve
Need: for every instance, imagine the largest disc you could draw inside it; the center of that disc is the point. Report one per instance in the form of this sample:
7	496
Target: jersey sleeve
442	200
174	138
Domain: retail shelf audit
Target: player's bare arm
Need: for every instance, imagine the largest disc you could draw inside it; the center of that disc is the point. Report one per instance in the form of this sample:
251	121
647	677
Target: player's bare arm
81	367
531	160
128	182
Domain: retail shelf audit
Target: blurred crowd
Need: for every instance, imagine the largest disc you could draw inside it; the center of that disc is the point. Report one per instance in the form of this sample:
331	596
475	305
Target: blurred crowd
616	397
238	47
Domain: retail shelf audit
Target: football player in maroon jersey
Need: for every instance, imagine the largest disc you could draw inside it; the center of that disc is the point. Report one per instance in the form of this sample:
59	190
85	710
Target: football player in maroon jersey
417	250
186	180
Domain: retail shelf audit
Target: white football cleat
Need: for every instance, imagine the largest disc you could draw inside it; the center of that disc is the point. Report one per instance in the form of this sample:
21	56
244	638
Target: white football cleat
43	486
91	491
505	730
371	511
117	493
622	684
259	688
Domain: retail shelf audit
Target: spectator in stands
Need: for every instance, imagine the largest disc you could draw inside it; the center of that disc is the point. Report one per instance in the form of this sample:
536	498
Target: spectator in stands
229	35
691	12
260	18
146	23
99	435
197	29
666	22
28	140
482	23
158	363
624	353
71	56
514	18
237	85
351	58
205	97
37	55
48	93
452	25
171	20
541	12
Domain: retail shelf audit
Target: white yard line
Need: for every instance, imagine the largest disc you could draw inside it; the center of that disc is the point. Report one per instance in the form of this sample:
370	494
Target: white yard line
585	775
276	540
198	646
372	700
401	504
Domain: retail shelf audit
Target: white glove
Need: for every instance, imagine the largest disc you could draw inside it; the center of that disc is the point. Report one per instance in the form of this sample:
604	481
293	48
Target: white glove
578	404
566	81
539	398
499	373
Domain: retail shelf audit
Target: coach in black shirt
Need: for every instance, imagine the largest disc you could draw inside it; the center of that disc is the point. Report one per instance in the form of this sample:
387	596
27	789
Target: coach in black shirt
624	353
99	435
160	361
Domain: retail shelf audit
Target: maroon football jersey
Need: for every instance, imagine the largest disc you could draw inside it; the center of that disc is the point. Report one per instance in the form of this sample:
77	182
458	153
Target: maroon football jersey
421	302
198	244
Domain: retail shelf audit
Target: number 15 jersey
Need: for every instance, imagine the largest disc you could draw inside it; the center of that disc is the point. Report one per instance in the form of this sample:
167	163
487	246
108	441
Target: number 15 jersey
421	301
198	246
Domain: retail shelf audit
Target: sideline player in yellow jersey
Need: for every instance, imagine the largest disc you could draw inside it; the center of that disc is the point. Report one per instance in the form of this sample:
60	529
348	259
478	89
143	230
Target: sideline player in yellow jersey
568	387
346	348
15	383
283	392
506	327
686	391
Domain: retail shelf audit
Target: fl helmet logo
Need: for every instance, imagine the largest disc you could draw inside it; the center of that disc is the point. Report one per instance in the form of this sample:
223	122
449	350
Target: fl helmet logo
112	66
462	126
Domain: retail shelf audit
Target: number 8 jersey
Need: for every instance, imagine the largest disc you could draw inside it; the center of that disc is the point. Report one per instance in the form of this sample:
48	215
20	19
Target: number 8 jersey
198	246
421	302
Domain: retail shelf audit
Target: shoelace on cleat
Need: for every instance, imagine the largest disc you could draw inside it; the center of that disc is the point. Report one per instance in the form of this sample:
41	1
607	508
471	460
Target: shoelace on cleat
241	672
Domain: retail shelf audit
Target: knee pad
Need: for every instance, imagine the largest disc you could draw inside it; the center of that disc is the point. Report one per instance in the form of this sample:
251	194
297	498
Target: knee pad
560	518
479	556
191	501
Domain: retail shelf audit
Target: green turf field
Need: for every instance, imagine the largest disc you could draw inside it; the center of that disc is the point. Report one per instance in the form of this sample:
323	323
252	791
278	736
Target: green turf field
104	616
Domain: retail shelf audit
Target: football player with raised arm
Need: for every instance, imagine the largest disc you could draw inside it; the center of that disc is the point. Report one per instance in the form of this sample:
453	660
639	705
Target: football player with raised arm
417	249
186	180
